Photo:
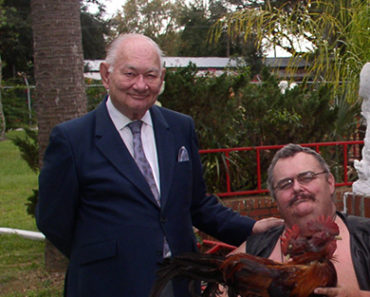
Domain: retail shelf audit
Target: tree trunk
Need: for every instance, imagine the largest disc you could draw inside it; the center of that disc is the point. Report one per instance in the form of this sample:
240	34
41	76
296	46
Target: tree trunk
60	90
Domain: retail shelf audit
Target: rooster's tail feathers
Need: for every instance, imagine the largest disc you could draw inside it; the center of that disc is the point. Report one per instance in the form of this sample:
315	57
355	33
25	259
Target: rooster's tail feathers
195	266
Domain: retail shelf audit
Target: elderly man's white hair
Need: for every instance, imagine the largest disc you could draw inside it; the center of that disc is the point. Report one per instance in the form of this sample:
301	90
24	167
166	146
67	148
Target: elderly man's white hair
114	46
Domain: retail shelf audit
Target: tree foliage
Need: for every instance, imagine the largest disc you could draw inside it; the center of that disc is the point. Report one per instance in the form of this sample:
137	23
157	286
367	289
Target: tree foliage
194	36
16	48
94	29
16	38
337	30
157	19
231	111
182	28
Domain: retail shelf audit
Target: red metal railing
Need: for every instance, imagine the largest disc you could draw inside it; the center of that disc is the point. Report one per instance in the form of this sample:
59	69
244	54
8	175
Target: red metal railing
258	149
212	247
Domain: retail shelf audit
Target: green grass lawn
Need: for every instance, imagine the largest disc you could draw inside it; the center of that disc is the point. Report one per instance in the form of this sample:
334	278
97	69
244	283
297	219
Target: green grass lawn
22	271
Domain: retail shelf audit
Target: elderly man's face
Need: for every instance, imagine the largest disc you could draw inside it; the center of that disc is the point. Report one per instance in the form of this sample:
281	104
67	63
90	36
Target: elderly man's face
136	78
303	191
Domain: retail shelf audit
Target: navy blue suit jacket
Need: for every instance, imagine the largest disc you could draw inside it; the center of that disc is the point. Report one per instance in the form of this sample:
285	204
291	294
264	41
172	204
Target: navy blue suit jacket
96	207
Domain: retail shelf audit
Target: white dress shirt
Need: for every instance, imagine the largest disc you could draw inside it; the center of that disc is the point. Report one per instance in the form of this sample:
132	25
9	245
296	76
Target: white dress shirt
120	121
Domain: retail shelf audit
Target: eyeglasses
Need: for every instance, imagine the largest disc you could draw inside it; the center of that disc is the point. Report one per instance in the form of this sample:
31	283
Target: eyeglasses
304	178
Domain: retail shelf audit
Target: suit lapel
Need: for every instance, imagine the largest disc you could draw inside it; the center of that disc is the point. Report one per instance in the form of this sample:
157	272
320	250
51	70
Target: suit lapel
110	144
165	151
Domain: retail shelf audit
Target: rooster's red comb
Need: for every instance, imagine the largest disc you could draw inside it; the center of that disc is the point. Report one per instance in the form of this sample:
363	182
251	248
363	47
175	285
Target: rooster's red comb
323	224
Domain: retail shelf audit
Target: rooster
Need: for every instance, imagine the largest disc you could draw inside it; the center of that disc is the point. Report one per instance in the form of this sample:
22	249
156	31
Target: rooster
246	275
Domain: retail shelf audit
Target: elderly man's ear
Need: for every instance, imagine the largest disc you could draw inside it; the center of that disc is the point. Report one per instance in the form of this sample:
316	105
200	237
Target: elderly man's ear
104	73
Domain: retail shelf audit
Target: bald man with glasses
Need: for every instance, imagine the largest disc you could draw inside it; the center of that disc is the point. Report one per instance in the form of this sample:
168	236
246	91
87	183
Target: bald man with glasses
301	182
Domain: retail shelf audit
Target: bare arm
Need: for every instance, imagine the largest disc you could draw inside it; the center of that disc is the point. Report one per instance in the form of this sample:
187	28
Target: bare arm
341	292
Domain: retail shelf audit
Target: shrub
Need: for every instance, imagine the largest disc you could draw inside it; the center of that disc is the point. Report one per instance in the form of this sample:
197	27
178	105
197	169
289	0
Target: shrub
231	111
29	148
15	106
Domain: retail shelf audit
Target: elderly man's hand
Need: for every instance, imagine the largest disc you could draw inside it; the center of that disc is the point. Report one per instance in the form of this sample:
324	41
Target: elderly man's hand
265	224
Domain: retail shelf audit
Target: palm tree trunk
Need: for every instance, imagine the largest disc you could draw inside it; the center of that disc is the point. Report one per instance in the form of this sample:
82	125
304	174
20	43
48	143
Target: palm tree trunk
60	90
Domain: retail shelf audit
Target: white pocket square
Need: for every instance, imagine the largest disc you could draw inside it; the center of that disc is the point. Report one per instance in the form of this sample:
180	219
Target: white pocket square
183	155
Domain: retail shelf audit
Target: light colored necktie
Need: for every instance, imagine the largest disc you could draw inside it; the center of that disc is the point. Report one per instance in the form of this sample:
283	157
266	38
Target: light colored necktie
145	169
141	160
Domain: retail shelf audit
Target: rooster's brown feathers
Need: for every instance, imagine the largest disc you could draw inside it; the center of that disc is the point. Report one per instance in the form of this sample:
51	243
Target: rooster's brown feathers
247	275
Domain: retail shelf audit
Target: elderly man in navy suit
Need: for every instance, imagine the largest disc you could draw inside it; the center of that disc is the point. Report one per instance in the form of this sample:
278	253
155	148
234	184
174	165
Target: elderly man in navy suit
121	187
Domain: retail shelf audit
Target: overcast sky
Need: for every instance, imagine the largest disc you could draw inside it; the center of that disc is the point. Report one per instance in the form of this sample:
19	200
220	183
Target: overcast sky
111	6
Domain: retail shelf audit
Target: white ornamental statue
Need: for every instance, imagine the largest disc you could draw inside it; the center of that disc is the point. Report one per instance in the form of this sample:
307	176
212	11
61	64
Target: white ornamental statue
362	185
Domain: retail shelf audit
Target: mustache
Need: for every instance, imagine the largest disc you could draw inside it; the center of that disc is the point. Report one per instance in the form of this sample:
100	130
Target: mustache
301	196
